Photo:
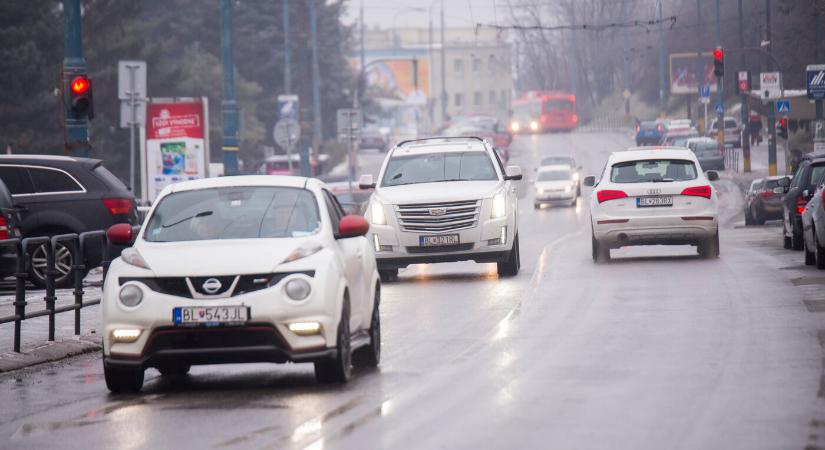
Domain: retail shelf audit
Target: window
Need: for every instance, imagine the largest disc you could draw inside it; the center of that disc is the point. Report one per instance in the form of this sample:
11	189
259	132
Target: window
476	65
334	209
503	97
458	67
555	175
109	178
652	170
439	167
459	99
50	181
16	179
492	99
477	98
491	64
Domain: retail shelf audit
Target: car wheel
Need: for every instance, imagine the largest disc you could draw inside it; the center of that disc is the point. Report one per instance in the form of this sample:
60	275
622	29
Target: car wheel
388	274
709	248
123	380
536	205
339	368
820	254
796	240
601	253
174	369
63	261
758	218
786	241
370	355
810	256
748	219
511	267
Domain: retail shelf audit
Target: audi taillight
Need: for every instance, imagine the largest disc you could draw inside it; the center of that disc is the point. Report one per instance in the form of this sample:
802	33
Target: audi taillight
118	206
766	194
698	191
4	228
800	204
609	194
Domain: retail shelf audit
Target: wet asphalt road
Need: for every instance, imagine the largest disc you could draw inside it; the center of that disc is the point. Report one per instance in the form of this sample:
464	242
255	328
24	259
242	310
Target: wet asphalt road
659	349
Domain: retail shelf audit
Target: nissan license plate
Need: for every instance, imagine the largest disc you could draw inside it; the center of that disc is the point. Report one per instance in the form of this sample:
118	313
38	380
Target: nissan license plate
438	241
187	315
648	202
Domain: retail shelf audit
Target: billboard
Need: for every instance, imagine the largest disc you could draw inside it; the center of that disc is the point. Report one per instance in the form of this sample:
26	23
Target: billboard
176	143
689	70
394	78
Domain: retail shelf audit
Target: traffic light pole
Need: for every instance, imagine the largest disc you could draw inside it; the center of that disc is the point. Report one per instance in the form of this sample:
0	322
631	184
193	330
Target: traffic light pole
76	129
743	95
229	106
720	113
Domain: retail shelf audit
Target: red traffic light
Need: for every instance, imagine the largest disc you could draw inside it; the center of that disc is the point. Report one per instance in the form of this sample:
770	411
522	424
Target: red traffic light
718	54
80	85
782	122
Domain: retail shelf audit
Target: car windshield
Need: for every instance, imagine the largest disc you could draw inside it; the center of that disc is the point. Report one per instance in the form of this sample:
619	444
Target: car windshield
439	167
653	170
648	126
706	148
677	141
816	174
554	175
558	105
234	213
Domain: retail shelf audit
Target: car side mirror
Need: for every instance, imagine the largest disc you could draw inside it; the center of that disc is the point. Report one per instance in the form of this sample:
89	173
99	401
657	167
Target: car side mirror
779	190
512	173
120	234
712	175
366	182
352	226
589	180
784	182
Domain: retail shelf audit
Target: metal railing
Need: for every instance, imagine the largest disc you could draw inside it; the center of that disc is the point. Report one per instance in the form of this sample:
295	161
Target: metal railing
732	159
79	246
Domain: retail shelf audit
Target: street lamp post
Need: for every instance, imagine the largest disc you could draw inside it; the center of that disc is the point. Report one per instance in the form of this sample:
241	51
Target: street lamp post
74	64
229	141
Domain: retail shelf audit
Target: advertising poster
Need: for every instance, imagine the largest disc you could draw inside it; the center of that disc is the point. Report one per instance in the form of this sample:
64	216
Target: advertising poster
687	70
176	147
393	78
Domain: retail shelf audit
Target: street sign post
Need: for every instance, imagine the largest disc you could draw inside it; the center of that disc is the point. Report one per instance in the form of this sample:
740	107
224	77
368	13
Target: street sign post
743	81
286	134
131	90
770	83
720	109
704	94
349	130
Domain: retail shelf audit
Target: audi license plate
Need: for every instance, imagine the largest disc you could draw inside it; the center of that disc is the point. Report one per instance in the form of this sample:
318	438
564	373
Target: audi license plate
187	315
662	200
438	241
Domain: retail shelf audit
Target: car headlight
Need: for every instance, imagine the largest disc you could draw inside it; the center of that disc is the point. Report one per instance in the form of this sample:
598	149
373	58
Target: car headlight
499	206
515	126
534	125
132	256
130	295
378	217
567	188
540	190
576	176
297	289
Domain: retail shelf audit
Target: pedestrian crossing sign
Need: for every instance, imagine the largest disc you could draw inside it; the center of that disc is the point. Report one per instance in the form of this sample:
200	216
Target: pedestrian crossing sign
783	106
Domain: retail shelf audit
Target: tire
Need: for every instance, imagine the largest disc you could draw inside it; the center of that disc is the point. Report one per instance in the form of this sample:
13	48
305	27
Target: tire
63	264
819	252
796	240
536	205
758	218
174	369
748	218
370	355
601	253
786	242
339	368
511	267
810	256
388	275
123	380
709	248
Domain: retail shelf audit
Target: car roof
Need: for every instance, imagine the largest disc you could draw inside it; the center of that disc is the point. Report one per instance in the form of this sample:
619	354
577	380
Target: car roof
247	180
554	167
639	153
49	160
439	145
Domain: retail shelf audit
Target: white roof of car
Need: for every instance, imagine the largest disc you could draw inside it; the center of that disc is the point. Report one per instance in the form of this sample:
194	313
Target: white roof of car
439	146
642	153
554	167
246	180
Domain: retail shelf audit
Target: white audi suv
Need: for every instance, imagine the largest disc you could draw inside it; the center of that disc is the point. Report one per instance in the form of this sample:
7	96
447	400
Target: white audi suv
441	200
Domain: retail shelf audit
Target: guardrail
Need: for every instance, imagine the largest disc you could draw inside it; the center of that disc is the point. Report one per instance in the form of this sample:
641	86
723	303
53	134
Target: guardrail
732	159
79	245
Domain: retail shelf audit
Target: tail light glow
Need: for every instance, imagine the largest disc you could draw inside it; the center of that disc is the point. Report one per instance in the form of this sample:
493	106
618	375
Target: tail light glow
118	206
698	191
801	202
766	194
610	194
4	229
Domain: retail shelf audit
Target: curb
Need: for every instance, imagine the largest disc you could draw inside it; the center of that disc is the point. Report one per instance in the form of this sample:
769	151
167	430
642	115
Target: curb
51	351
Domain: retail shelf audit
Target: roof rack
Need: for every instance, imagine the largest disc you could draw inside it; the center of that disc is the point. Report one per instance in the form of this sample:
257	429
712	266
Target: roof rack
408	141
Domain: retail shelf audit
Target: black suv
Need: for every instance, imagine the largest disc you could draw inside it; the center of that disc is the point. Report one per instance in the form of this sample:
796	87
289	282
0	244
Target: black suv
800	189
57	195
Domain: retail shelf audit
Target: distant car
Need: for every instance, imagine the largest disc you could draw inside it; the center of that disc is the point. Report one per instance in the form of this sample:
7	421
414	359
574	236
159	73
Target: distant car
676	123
708	154
354	201
649	133
733	133
763	201
58	195
486	127
800	189
678	137
237	270
813	228
374	136
653	197
9	229
555	184
567	161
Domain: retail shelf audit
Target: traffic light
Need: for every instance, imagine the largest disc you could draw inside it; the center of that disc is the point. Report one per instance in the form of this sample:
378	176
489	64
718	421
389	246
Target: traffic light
718	62
81	102
782	128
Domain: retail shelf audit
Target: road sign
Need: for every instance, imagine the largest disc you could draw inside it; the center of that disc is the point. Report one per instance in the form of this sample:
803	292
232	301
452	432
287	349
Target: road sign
783	107
770	84
704	94
720	109
286	133
288	107
744	81
125	88
815	77
349	124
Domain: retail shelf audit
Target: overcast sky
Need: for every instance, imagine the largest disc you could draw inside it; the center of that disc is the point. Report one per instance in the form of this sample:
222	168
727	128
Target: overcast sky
415	13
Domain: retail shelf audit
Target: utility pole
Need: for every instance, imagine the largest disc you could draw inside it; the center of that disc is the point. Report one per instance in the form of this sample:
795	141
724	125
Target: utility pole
229	141
363	55
626	61
720	94
745	118
443	70
699	66
818	34
74	64
662	91
771	104
287	68
317	135
574	55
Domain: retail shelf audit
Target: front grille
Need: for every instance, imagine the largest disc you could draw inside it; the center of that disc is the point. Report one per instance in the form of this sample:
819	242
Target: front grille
441	248
206	338
178	287
438	217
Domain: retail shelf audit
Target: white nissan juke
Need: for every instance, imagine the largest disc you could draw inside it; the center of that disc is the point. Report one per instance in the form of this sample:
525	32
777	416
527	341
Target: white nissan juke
241	269
653	196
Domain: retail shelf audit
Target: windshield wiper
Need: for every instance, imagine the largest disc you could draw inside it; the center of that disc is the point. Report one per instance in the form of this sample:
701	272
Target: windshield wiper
661	180
200	214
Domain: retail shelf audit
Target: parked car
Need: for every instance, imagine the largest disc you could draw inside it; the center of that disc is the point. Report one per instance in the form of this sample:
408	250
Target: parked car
813	228
733	133
9	229
58	195
649	133
444	200
653	197
565	161
799	189
707	152
763	201
374	136
555	184
678	137
237	270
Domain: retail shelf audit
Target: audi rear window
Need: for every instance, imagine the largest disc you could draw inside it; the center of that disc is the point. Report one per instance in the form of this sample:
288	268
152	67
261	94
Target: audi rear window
653	171
109	178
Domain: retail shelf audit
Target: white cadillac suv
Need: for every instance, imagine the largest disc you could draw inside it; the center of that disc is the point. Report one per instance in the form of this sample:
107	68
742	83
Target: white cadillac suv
653	196
443	200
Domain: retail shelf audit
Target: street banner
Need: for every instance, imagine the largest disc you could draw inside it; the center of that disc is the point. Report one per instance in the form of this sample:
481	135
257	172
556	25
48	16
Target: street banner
176	143
688	71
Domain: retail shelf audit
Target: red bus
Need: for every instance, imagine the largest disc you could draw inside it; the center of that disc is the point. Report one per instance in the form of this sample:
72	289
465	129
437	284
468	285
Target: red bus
540	111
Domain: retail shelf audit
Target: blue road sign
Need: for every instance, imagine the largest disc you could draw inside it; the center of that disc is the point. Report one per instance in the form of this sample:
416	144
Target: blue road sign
720	109
704	91
783	106
815	77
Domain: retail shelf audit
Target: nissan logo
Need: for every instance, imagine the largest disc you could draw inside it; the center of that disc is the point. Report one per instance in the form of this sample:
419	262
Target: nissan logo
212	285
